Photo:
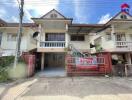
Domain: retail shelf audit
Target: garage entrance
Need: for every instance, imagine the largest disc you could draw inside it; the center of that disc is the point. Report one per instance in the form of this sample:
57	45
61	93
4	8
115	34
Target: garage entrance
54	61
54	64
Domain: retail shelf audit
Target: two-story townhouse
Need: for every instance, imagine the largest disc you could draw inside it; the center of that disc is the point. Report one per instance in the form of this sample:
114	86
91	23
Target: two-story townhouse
116	38
56	32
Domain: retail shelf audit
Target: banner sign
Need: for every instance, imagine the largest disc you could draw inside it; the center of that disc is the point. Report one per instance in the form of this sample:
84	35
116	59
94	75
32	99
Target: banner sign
86	61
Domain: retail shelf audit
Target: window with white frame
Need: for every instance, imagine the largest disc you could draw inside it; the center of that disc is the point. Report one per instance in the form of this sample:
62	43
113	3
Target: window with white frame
120	37
77	37
11	37
108	36
55	36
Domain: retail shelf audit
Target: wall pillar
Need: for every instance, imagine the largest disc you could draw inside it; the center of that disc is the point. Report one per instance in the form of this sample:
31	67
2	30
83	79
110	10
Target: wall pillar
42	62
66	39
39	29
113	32
43	32
66	36
129	58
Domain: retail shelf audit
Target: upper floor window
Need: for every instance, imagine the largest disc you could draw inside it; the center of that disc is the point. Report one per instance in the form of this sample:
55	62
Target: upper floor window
120	37
108	36
77	38
55	37
11	37
123	17
53	15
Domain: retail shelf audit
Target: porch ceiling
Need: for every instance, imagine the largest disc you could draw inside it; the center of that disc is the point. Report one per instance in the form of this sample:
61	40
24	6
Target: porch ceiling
84	28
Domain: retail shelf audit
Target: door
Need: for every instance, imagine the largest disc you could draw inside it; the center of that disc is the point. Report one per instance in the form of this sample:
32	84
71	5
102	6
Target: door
54	60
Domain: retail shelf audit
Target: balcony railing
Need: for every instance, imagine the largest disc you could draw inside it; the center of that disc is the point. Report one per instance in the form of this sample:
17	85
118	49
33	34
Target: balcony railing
124	44
58	44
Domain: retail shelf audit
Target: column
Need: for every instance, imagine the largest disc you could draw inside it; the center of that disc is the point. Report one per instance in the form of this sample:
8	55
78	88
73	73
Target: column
66	39
43	32
129	58
113	32
39	29
42	61
113	37
66	36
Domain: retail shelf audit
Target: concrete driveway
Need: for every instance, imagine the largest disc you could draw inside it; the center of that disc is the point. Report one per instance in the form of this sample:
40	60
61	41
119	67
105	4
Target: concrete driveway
72	88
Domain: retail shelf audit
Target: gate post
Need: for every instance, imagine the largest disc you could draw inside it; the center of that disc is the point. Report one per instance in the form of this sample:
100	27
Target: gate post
42	62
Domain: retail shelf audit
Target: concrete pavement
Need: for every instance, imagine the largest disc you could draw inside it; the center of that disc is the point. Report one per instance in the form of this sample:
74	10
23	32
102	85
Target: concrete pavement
72	88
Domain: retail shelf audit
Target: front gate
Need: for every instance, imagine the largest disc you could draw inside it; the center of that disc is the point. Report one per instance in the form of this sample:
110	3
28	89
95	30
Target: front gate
94	65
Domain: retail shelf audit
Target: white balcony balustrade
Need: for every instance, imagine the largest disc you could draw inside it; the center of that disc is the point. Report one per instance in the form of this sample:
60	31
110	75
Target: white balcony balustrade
124	44
52	44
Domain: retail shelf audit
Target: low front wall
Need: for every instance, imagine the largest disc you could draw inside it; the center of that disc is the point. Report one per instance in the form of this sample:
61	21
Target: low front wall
30	61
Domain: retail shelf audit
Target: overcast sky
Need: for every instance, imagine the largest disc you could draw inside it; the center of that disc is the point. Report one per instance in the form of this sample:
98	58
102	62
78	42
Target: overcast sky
82	11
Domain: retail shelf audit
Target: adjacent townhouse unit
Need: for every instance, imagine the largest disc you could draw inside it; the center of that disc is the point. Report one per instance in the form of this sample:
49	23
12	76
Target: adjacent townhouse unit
8	37
116	38
51	35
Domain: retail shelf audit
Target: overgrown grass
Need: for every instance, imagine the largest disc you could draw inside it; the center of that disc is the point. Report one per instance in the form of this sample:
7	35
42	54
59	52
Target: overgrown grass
4	62
20	71
7	71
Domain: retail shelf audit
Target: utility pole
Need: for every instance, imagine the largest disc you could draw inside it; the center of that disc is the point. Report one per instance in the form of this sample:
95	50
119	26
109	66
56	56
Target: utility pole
18	44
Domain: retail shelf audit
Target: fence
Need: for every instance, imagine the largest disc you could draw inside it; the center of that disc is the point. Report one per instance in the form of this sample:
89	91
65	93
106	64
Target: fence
87	61
95	65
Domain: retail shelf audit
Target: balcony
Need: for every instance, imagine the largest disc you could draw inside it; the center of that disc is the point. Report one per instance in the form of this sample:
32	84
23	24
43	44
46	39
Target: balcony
124	45
52	44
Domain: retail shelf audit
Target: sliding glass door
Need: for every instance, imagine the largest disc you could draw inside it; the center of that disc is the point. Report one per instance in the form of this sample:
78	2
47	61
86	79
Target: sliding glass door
55	37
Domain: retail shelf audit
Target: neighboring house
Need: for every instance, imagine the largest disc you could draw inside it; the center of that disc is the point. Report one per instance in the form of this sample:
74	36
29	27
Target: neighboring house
116	37
8	38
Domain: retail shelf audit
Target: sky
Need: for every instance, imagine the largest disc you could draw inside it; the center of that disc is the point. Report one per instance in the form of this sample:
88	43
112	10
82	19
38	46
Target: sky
82	11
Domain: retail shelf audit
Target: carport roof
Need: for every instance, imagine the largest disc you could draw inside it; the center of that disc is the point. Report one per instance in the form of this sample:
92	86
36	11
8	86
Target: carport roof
85	28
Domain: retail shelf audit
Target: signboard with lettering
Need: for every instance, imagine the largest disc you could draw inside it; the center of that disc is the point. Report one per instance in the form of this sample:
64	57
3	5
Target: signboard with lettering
86	61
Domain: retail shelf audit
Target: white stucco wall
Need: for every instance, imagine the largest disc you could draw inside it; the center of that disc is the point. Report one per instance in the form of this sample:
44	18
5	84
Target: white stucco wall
118	17
26	43
53	12
81	44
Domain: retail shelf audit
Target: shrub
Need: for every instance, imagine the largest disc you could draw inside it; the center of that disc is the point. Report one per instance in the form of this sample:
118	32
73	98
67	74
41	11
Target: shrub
6	61
3	75
7	71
